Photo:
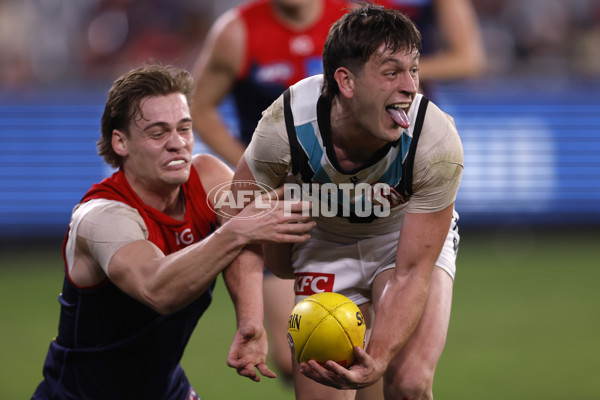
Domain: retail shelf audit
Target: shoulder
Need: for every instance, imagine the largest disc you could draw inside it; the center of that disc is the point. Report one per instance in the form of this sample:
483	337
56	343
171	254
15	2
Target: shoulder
304	98
107	220
310	84
98	229
211	171
215	176
98	207
228	30
439	135
255	9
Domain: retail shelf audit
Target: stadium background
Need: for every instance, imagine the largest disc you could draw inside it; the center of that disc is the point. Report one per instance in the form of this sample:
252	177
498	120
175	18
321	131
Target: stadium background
525	320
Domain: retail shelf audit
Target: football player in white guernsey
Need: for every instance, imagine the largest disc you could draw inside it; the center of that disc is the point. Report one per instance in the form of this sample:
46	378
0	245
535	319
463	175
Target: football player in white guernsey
387	164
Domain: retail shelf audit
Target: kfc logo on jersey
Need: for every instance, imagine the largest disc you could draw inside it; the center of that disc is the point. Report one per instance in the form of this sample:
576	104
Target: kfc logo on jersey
308	283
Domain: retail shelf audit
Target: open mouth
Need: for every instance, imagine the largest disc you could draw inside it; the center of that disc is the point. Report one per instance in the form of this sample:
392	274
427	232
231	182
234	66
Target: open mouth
397	112
175	163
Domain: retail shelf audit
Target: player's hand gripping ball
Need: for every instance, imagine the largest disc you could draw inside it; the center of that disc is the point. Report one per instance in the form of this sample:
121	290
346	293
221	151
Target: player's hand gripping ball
326	326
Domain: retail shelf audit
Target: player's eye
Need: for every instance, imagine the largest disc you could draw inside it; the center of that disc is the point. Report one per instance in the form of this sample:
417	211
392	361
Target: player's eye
156	133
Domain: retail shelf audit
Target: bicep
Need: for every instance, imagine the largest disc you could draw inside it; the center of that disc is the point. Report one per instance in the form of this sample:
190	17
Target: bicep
132	265
220	61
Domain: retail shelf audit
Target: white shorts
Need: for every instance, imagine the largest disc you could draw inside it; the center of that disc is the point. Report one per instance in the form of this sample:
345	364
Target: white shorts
328	263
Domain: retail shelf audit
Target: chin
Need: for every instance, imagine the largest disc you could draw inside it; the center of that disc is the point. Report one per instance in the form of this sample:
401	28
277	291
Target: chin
177	177
393	134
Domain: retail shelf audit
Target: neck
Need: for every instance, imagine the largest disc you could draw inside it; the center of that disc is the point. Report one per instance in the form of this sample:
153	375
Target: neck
299	16
353	144
168	200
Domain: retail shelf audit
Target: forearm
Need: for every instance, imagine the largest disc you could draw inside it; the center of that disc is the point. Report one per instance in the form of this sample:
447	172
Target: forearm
179	278
215	135
403	298
448	66
463	55
394	324
244	283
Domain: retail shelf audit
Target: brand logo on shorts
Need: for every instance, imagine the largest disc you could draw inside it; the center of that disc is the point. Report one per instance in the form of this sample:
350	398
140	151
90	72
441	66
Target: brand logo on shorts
308	283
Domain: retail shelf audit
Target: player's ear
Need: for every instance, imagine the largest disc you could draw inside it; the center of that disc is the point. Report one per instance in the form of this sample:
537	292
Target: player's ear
345	80
119	142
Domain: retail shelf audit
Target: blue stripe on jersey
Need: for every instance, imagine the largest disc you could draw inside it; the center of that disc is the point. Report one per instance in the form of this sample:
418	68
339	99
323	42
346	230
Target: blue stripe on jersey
405	141
393	175
321	176
309	142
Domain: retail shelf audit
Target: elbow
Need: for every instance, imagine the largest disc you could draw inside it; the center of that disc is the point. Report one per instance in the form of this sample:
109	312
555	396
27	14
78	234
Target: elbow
159	302
282	274
476	64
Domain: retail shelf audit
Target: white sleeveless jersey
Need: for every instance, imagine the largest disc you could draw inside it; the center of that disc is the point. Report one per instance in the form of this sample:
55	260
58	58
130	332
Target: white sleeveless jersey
421	178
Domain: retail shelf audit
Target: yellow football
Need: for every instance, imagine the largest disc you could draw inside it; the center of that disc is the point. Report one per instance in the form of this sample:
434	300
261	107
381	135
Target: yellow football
326	326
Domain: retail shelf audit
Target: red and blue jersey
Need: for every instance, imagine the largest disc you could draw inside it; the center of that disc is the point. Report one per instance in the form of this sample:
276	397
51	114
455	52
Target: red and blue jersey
277	56
111	346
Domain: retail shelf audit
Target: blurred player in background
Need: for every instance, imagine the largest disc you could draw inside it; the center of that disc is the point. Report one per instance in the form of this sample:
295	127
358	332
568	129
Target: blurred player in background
452	40
144	248
254	52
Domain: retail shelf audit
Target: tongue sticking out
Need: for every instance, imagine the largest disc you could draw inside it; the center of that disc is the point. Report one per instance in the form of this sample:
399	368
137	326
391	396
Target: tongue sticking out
398	116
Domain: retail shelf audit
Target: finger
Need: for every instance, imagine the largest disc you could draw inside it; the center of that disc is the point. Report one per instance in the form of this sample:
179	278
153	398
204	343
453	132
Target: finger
248	372
296	206
274	195
318	369
360	355
316	372
265	371
337	369
289	238
310	372
297	227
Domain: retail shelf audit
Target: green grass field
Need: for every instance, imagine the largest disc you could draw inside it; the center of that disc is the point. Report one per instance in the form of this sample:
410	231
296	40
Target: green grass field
525	323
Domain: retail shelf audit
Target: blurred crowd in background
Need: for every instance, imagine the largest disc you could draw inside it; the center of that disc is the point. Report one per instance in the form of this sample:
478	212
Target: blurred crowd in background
70	42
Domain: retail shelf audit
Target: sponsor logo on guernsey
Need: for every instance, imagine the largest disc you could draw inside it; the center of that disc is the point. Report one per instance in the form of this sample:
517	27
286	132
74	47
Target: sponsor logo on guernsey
301	45
279	72
186	237
308	283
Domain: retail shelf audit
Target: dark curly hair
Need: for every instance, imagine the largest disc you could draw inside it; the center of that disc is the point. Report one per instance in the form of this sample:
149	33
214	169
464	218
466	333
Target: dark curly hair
126	94
355	37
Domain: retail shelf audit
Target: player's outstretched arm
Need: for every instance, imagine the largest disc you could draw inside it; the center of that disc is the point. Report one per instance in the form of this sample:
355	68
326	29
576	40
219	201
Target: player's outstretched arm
169	283
248	352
